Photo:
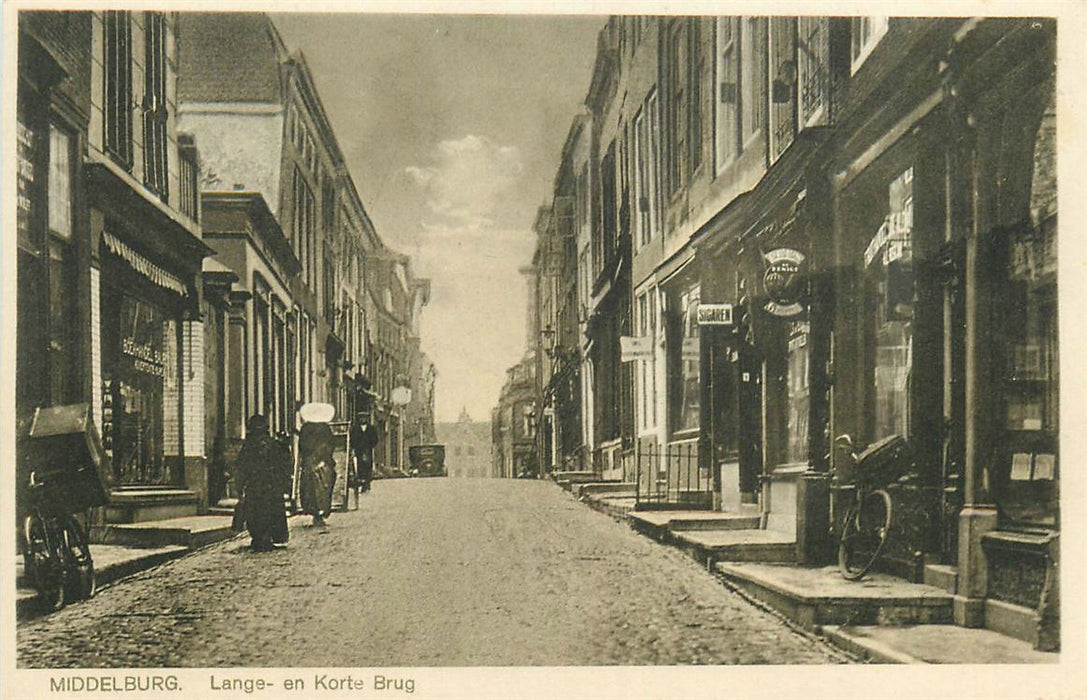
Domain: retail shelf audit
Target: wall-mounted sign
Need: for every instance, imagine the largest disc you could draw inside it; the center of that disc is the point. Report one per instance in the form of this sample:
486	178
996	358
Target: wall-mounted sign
783	282
401	396
633	348
715	314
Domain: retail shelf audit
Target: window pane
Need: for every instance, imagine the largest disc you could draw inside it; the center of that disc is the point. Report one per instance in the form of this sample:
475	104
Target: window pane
727	91
60	183
890	263
753	75
797	380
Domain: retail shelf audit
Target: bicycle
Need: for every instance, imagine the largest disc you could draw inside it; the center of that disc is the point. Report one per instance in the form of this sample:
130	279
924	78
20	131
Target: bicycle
867	522
56	553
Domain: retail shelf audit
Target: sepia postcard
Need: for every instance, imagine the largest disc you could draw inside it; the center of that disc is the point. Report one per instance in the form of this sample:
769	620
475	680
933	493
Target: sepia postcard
542	350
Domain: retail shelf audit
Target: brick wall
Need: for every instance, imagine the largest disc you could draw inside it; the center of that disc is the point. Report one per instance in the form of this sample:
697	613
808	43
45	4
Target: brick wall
171	393
192	387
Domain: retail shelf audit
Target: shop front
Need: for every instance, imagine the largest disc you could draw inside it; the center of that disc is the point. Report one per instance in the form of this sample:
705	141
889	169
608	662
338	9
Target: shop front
147	352
764	318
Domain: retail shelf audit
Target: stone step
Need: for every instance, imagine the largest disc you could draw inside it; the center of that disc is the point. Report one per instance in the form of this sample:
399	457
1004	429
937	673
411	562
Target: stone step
813	597
579	476
934	644
135	505
191	532
605	487
742	545
942	576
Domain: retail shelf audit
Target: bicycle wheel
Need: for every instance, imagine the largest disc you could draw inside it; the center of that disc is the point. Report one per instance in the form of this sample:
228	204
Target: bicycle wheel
44	563
82	583
864	533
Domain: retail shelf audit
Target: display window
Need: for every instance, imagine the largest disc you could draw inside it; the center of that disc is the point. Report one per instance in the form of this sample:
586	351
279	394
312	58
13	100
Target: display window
890	304
1027	473
139	368
685	361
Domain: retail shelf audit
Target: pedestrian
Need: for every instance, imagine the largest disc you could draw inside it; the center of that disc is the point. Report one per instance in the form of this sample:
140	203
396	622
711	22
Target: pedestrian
263	471
364	439
318	469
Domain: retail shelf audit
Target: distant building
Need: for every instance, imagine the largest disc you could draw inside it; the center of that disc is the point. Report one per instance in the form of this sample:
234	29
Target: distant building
467	446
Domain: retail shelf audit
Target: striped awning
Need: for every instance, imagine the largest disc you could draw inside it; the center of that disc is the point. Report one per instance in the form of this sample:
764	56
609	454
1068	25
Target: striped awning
145	267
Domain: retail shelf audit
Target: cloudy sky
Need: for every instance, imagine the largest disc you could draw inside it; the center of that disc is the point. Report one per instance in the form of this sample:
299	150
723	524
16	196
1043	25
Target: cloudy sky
452	127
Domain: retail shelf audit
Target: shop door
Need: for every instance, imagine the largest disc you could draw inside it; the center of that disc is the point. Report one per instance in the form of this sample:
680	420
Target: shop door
750	420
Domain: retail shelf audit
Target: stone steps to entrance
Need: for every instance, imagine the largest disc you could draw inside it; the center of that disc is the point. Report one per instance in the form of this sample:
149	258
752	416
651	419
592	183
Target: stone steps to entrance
190	532
817	596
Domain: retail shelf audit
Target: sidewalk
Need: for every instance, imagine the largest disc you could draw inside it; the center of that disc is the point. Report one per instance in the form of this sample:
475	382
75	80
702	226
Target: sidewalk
880	619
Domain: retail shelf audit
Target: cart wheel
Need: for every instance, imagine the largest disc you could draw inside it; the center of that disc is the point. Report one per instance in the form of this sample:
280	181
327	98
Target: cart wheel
44	564
82	581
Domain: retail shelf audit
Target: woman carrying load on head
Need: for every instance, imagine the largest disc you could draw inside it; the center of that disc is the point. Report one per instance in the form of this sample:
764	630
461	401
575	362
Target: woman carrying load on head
318	469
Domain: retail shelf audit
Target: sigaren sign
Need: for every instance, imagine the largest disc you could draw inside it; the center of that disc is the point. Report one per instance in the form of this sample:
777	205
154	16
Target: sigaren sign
715	314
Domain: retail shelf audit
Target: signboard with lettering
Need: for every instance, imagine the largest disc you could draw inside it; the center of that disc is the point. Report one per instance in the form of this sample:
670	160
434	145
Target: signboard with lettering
26	139
715	314
633	348
783	282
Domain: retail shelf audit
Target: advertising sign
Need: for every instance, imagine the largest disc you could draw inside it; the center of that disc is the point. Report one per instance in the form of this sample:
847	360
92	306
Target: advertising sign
633	348
783	282
715	314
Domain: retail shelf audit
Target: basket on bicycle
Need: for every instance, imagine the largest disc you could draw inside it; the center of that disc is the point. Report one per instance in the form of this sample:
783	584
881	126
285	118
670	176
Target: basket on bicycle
63	451
883	462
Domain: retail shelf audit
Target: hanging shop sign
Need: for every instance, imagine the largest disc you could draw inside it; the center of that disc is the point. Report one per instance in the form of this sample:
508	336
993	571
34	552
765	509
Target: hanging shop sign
401	396
715	314
783	282
632	348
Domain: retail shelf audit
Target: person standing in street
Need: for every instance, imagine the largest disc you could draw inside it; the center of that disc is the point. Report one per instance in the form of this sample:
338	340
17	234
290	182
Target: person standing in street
318	469
263	471
364	439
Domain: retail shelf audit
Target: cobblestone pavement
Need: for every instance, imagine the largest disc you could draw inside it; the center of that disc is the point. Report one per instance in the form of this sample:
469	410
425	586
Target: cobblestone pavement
430	572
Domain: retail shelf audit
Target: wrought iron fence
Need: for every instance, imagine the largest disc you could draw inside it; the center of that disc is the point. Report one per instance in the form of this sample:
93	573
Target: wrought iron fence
670	477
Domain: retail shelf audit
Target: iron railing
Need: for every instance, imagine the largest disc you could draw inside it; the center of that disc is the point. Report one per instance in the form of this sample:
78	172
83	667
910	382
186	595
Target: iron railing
670	477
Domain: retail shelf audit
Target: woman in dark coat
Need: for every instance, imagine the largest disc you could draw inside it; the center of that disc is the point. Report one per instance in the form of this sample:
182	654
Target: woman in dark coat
315	444
264	475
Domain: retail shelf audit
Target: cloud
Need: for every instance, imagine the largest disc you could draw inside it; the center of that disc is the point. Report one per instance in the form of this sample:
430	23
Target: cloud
470	240
467	180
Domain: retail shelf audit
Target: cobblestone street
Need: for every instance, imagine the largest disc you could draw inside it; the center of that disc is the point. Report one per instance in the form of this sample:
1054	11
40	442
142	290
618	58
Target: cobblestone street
440	572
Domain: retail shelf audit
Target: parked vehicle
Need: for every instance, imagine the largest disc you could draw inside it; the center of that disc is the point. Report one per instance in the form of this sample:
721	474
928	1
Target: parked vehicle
427	460
867	523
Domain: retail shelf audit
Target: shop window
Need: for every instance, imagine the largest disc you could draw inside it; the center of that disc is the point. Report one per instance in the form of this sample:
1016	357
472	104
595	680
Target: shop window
889	261
118	86
799	354
1028	477
685	360
135	393
61	273
155	114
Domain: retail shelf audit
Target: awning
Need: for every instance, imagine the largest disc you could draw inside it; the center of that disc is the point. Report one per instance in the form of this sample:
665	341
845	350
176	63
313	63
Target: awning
155	274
